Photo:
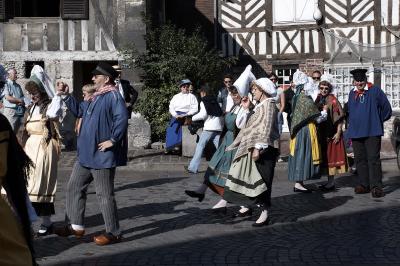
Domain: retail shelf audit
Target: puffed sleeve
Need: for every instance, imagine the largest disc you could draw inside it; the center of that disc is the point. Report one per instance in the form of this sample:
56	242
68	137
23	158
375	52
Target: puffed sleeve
54	109
172	107
194	105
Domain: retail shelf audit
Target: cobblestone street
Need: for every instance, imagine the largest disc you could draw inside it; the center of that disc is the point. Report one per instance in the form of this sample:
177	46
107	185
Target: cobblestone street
162	226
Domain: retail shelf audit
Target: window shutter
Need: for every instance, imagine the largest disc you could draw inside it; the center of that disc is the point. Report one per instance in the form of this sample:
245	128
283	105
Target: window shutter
74	9
6	10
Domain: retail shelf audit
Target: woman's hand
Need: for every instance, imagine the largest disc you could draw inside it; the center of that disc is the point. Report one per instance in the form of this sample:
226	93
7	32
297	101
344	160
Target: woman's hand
336	137
245	102
62	88
255	154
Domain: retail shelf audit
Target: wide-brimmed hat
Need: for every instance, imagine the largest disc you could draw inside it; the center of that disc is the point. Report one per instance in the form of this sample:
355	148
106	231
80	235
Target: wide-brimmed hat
266	85
106	70
183	82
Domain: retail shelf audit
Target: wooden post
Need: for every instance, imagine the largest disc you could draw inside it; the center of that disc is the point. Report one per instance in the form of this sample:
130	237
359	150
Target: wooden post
71	35
44	37
61	29
24	37
85	37
97	37
1	37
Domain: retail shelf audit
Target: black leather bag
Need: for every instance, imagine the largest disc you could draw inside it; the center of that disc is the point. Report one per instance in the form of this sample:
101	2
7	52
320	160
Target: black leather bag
194	126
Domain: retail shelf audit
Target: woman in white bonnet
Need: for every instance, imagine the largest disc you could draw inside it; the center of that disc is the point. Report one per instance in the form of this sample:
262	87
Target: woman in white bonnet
43	145
305	153
251	174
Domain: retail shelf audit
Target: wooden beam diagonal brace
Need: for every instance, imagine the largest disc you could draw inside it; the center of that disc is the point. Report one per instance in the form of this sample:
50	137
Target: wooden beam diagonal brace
290	42
103	25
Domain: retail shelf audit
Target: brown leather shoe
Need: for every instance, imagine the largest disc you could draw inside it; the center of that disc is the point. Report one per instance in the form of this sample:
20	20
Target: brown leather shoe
67	230
377	192
360	189
106	239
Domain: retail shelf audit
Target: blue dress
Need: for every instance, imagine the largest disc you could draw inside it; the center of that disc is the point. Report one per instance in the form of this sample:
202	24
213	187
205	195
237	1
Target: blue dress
174	133
221	161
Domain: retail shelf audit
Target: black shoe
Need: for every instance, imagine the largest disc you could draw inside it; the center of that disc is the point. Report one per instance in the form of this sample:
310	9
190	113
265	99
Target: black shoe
46	230
324	188
194	194
222	210
266	222
302	191
249	212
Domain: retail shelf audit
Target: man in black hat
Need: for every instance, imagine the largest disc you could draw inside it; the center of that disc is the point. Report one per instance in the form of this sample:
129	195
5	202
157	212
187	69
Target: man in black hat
127	91
368	108
101	148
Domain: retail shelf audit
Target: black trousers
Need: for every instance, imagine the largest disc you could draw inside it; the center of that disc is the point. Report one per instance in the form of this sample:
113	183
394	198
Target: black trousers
266	167
368	161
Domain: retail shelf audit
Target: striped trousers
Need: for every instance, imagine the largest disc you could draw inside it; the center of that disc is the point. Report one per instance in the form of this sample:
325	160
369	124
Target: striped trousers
77	187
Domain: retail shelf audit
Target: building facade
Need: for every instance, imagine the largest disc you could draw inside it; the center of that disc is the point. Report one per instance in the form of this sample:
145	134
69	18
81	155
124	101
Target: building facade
69	37
333	36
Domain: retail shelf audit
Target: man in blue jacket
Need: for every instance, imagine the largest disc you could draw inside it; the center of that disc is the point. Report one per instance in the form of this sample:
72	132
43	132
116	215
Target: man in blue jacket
101	146
368	108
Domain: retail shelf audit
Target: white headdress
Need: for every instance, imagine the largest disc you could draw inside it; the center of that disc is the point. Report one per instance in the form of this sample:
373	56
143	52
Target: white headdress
267	85
38	74
242	84
300	78
329	77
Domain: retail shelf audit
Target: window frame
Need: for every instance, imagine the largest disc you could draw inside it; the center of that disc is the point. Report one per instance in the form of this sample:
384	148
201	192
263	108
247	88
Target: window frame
294	21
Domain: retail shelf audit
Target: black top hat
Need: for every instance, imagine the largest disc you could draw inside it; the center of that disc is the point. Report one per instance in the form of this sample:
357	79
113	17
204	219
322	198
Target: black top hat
106	70
359	74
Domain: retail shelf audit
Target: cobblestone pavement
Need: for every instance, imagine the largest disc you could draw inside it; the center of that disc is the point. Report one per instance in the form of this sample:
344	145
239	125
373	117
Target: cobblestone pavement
162	226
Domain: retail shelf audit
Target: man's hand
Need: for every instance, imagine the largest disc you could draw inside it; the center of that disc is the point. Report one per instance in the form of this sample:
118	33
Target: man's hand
105	145
255	154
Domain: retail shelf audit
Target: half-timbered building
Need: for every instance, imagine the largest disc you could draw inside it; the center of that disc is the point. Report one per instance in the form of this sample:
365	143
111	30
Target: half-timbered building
334	36
68	37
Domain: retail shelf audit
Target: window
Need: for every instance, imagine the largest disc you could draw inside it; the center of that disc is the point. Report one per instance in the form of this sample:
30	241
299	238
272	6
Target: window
293	11
66	9
284	73
29	65
37	8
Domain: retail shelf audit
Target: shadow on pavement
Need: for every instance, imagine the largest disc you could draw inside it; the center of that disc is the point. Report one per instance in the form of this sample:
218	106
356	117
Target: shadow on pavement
149	183
371	236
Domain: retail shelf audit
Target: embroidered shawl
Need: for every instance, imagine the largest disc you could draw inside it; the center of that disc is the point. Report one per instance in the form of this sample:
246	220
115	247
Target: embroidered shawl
305	110
258	129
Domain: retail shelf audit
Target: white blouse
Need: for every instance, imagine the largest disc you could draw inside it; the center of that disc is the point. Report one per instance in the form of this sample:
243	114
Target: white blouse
183	102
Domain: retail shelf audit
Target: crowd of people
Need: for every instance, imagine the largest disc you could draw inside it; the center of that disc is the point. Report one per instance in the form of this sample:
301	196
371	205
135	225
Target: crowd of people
242	168
244	122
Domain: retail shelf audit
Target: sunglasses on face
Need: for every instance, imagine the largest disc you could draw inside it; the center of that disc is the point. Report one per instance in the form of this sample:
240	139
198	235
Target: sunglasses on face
324	88
316	78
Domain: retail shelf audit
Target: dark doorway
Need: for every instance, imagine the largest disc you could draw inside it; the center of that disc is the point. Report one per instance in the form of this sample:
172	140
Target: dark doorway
83	76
